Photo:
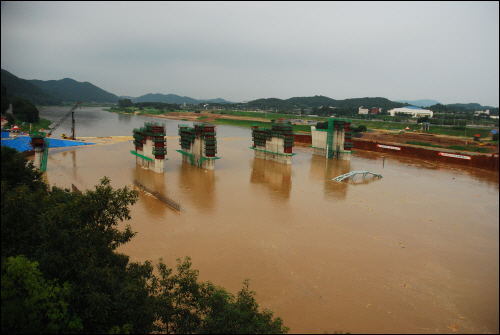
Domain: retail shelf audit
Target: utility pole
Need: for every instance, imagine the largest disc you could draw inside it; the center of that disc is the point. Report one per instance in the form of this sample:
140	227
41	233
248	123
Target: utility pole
73	125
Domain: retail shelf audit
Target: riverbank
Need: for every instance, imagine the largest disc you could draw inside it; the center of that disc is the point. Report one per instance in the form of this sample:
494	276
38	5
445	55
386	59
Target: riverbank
447	142
434	137
42	124
464	158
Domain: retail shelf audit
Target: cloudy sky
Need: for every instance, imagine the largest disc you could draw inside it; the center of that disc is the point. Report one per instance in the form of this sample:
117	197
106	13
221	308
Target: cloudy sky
446	51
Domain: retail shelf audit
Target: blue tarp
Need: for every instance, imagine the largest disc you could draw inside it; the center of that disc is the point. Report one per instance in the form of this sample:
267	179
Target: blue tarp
494	131
22	143
5	134
56	143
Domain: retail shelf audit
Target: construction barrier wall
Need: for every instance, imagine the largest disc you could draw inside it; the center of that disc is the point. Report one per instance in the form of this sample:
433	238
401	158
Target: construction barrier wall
302	139
471	159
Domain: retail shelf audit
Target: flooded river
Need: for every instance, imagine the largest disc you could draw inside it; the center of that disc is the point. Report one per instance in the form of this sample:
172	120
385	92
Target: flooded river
414	252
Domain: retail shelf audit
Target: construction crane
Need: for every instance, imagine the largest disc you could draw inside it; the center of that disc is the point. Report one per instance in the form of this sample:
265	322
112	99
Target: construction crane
72	112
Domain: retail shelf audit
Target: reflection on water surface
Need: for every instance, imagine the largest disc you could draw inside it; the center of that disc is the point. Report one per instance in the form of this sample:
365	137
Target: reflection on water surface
273	175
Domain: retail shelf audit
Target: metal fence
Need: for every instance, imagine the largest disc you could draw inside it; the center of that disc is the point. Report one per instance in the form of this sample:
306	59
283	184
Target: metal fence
168	199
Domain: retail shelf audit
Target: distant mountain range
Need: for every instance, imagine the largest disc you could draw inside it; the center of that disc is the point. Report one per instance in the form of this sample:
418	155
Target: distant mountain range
21	88
55	92
319	101
473	105
433	103
73	91
175	99
420	103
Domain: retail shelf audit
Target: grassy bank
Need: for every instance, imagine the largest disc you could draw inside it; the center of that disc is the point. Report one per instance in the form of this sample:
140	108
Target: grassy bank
132	110
261	124
268	116
43	123
370	124
471	148
449	131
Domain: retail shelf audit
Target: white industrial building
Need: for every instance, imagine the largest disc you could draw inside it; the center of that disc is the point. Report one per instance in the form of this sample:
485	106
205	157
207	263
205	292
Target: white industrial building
363	110
414	111
482	112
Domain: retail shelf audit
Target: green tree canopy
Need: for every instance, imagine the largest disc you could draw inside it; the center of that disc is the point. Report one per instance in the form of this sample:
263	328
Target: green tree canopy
31	304
11	121
125	103
5	102
25	110
17	171
74	239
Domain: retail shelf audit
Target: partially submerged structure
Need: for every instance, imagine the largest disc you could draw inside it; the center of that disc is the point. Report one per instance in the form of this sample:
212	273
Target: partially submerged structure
150	146
275	144
334	142
40	143
199	144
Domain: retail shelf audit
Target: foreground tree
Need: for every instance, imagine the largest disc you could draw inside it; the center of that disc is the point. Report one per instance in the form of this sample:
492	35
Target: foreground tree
17	171
187	306
31	304
73	238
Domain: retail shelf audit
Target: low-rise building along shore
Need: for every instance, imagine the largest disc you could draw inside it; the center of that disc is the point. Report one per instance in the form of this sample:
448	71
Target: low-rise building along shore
414	111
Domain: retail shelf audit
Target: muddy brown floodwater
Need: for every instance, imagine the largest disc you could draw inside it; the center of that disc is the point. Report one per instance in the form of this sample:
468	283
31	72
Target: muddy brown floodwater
414	252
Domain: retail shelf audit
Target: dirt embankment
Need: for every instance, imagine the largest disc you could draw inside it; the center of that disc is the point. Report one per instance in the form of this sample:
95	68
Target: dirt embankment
413	137
193	117
439	140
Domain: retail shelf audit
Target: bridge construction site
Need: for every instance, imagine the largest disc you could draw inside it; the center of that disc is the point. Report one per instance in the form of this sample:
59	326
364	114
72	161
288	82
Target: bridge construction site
275	144
334	142
198	144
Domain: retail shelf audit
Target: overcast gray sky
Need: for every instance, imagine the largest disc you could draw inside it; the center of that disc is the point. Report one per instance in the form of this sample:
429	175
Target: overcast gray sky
447	51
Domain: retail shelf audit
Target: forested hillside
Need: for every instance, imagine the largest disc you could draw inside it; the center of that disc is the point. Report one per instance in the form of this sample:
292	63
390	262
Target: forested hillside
166	98
22	88
420	103
70	90
319	101
463	108
174	99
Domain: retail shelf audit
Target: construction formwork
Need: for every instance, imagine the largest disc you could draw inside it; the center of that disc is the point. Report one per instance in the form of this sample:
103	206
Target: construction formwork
275	144
40	143
199	144
334	142
150	146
